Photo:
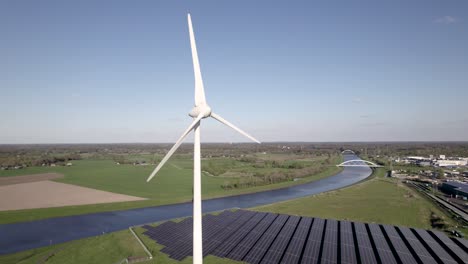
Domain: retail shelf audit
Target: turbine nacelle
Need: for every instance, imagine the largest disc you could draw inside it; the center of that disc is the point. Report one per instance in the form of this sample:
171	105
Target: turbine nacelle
203	109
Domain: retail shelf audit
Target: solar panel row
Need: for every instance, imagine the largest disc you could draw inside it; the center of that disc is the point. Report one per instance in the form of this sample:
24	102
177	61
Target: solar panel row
256	237
433	246
402	251
212	244
330	243
182	240
224	249
366	251
383	248
294	250
239	252
348	251
212	226
421	252
257	252
278	247
457	253
462	243
314	241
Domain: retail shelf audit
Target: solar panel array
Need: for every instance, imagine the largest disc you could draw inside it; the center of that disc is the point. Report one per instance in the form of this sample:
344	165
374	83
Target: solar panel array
257	237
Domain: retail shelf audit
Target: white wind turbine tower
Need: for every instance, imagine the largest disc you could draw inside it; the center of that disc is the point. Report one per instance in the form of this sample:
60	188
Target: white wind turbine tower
200	111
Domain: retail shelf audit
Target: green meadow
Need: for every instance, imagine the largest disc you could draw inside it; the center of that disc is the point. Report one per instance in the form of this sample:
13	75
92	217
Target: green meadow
172	185
378	200
108	248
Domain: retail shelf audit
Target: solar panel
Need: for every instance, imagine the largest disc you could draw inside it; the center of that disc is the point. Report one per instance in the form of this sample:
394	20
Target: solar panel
257	252
270	238
463	243
211	226
434	246
213	243
417	246
276	250
454	248
399	245
383	248
330	243
314	241
239	252
292	254
348	251
182	237
364	245
229	244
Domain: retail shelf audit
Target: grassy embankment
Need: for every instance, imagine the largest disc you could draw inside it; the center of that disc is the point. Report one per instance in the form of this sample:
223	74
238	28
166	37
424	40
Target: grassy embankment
380	200
108	248
172	185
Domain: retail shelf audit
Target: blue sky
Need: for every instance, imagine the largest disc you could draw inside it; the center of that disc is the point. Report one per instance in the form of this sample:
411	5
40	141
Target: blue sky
121	71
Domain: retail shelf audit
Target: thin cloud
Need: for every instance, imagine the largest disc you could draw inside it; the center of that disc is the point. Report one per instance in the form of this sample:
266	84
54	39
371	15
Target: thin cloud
365	116
357	100
446	20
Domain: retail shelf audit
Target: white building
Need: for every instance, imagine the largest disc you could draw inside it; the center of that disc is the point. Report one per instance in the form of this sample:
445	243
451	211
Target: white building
416	158
447	163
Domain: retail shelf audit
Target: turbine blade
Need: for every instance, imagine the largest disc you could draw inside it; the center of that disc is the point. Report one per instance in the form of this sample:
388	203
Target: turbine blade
199	89
175	147
222	120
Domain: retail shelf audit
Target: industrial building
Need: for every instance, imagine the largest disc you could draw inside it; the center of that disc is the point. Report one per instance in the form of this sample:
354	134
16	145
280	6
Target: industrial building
456	189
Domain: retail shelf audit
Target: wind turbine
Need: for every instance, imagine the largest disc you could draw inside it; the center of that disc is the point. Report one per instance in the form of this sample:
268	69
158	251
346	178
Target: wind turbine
200	111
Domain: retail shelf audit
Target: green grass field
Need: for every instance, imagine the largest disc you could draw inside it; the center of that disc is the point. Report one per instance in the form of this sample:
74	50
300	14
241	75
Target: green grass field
380	200
172	185
108	248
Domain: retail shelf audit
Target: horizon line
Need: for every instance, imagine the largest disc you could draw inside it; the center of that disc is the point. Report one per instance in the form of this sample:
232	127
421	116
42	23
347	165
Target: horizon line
244	142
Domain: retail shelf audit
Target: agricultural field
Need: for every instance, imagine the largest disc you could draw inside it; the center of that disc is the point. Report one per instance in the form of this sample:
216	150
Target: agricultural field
46	194
241	174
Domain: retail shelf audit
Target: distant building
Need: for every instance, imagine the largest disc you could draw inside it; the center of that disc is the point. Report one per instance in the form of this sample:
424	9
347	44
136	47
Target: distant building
450	163
424	163
451	173
416	158
442	157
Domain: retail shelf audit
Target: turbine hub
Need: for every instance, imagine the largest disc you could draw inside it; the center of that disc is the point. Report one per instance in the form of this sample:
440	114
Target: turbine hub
200	109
